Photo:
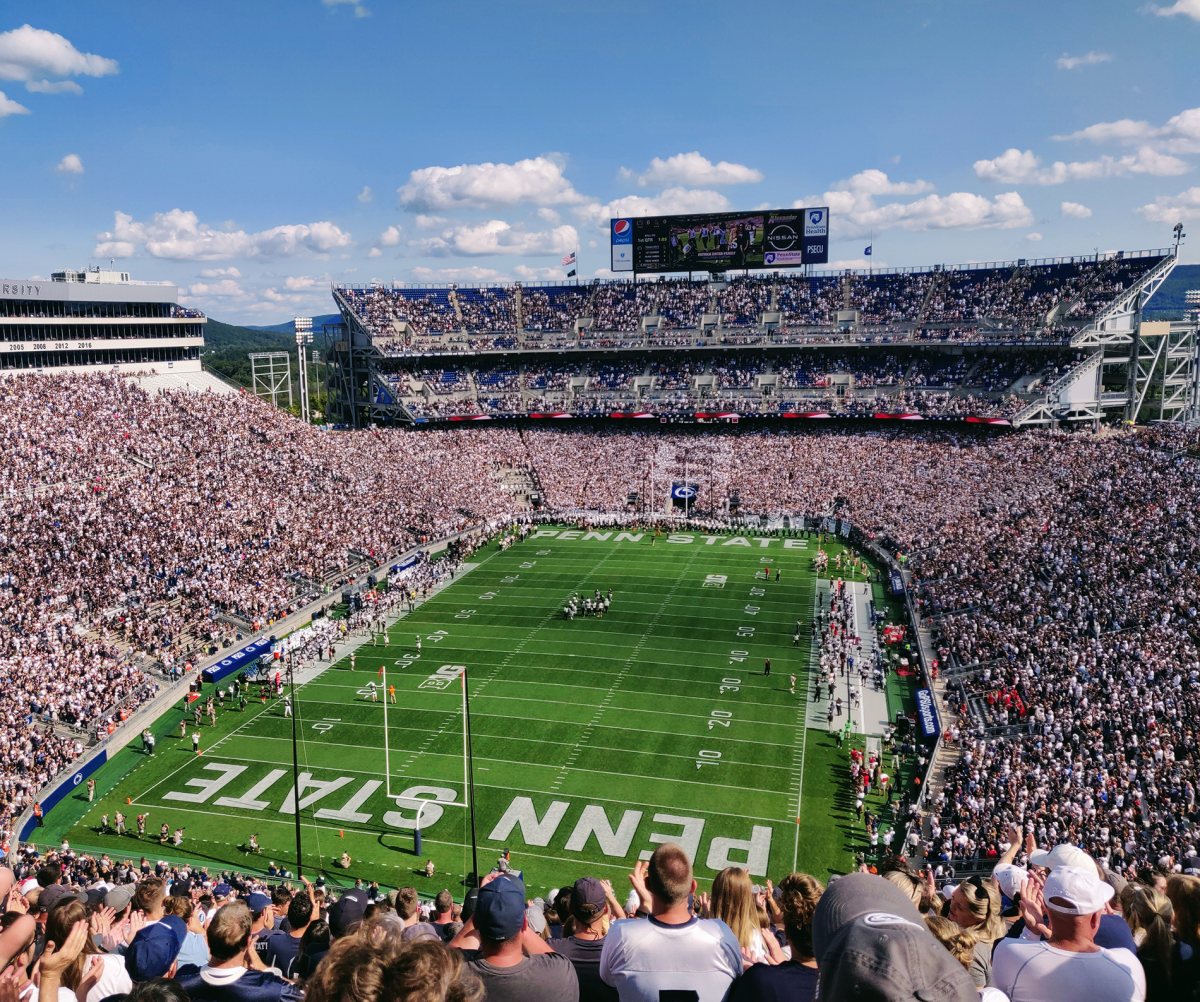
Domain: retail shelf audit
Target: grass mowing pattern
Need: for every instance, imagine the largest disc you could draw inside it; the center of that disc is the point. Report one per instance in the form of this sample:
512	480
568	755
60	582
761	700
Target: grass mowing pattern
605	724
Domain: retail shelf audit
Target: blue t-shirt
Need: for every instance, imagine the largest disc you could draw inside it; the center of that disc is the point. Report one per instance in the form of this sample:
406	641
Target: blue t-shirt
236	984
788	982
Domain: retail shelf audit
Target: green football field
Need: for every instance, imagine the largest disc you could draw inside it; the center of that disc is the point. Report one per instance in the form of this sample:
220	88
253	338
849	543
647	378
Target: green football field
594	739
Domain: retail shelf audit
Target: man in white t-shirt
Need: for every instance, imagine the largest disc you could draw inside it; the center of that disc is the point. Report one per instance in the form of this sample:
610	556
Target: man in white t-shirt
672	951
1067	966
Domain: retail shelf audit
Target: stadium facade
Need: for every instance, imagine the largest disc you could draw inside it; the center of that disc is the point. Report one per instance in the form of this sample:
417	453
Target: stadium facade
1027	342
97	320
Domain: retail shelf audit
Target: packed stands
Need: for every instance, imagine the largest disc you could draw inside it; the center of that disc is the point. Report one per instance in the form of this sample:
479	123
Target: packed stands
1057	572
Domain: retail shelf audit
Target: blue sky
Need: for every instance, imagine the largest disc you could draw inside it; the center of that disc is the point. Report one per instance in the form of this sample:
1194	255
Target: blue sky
253	152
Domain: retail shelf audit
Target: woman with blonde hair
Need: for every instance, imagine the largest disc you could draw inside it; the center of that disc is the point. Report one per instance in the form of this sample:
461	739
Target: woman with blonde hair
794	979
1168	963
733	903
975	905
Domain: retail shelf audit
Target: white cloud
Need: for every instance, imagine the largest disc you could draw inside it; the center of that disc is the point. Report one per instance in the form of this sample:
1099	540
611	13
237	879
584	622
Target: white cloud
469	274
27	53
180	235
527	274
1075	210
1066	62
548	215
70	164
497	237
230	272
53	87
1034	237
1179	134
300	282
538	181
10	107
226	287
429	222
1188	8
695	170
359	9
1173	208
365	195
375	252
671	201
273	296
875	182
390	237
852	204
1016	167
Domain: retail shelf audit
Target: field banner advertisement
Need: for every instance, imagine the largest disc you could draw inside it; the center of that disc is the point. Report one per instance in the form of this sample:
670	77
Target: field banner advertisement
720	241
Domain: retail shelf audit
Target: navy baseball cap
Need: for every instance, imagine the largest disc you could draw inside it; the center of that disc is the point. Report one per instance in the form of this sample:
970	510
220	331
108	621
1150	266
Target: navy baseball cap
257	902
222	891
500	910
155	948
346	911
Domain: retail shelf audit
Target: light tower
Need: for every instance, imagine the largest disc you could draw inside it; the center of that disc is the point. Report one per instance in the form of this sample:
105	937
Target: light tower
303	329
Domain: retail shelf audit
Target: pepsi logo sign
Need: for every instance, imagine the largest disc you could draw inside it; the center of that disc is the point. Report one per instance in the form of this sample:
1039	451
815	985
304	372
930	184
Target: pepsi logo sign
620	226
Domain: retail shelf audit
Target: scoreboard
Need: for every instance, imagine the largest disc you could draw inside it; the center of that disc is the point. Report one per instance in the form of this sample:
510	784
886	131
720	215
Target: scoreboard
719	241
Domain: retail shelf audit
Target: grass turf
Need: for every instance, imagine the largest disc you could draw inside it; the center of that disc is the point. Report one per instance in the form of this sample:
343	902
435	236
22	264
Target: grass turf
593	738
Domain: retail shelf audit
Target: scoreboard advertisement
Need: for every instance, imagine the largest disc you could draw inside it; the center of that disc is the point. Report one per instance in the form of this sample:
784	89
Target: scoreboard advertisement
720	241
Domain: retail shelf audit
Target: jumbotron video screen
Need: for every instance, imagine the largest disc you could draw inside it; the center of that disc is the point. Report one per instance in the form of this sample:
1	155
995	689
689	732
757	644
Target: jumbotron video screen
720	241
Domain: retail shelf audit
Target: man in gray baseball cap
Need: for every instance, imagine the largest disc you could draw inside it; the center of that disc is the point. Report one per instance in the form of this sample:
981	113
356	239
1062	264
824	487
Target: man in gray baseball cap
871	945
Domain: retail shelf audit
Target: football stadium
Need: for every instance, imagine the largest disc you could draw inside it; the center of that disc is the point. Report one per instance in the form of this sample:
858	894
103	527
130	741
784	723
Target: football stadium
734	619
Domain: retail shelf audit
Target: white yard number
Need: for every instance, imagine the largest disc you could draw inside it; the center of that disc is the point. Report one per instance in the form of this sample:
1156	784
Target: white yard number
528	563
441	635
730	684
368	689
327	723
753	610
757	592
738	656
543	553
511	579
489	595
719	717
707	757
715	581
745	631
464	614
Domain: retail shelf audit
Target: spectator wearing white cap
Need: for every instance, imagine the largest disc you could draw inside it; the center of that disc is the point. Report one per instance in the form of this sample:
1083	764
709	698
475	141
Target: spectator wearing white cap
1067	966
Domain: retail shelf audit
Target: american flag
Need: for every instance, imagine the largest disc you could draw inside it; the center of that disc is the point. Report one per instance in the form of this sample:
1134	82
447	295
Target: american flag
569	259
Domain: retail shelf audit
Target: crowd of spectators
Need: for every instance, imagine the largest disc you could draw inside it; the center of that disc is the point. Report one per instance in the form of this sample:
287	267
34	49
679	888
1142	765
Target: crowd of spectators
1059	573
957	384
1062	928
1012	293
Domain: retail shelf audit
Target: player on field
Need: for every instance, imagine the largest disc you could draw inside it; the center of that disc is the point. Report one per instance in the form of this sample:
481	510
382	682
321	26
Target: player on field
196	742
120	819
793	685
767	667
391	693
